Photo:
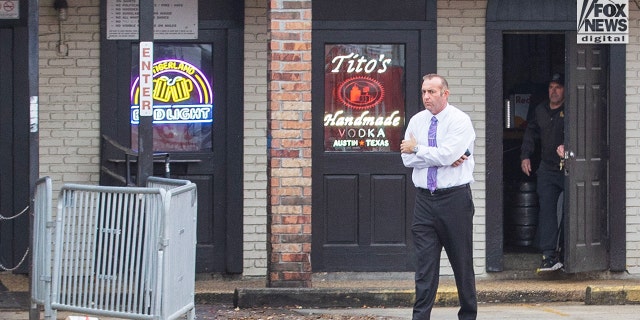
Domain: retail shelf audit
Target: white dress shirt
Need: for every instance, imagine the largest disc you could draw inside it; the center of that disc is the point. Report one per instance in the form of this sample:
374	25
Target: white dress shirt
454	136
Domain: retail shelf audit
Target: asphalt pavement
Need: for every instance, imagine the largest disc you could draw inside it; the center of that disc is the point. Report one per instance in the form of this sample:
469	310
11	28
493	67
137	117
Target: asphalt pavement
547	311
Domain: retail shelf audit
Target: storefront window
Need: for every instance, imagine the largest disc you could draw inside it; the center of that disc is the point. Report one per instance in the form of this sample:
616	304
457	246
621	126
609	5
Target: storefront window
364	97
182	97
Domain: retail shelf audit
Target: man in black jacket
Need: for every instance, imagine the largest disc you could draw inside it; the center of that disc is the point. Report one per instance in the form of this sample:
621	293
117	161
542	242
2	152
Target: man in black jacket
546	126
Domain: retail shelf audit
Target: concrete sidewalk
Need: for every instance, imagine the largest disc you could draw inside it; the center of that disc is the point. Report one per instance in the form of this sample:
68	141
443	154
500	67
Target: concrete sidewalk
354	290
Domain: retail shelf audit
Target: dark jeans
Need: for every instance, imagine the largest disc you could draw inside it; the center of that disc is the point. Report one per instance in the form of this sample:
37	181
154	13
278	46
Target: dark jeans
550	184
444	220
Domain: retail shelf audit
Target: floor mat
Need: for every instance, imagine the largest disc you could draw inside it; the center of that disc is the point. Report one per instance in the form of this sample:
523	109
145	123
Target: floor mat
14	300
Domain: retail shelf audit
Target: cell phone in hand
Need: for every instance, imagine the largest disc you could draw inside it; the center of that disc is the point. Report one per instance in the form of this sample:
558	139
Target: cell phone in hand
467	153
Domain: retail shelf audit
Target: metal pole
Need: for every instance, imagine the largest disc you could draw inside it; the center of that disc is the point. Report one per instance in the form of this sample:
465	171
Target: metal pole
34	135
145	127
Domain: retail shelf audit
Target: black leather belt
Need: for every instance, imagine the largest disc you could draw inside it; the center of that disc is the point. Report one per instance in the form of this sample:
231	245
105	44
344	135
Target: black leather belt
444	190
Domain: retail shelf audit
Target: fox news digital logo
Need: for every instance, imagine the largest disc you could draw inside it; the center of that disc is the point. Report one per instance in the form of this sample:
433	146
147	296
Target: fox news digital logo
603	21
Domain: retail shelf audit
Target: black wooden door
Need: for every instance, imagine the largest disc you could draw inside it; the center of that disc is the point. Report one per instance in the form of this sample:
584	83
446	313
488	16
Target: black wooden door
362	193
207	153
587	147
14	145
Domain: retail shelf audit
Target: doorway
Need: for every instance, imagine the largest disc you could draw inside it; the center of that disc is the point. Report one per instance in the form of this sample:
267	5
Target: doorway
585	206
362	193
17	164
366	84
197	114
529	60
595	228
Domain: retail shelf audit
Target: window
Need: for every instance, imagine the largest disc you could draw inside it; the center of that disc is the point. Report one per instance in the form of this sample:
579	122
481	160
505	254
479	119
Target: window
364	97
183	97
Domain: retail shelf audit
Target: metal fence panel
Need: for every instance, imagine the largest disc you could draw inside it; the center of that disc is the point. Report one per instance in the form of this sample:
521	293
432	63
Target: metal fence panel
41	245
179	239
106	249
124	252
165	183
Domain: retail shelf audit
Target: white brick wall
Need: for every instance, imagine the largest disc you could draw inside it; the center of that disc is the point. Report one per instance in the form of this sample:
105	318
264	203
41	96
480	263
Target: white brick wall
461	60
70	93
255	141
633	141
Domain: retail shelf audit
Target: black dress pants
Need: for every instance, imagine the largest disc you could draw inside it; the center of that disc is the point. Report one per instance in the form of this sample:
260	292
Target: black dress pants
444	219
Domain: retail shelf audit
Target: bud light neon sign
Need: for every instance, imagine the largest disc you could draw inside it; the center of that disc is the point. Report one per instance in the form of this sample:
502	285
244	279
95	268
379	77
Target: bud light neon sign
181	94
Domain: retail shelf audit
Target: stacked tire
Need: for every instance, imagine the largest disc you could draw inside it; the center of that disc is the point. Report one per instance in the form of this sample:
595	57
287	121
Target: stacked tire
521	214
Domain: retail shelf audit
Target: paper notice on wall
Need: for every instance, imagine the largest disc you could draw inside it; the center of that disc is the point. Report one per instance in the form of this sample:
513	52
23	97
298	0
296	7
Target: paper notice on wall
10	9
172	19
33	113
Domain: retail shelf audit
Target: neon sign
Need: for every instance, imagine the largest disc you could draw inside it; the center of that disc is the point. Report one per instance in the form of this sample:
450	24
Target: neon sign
364	97
360	93
176	114
357	63
182	92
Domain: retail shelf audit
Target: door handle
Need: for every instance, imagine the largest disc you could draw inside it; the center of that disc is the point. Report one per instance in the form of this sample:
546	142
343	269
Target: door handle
568	155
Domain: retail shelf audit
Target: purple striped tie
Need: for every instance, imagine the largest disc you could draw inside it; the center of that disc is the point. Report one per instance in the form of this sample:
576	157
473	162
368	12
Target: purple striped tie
432	172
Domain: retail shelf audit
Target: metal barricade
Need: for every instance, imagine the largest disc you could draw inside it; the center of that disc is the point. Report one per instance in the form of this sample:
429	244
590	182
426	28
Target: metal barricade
125	252
165	183
41	244
179	254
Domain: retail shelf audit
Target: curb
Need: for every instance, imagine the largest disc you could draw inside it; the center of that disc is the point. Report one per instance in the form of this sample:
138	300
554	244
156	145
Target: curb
213	298
612	295
322	297
341	298
373	297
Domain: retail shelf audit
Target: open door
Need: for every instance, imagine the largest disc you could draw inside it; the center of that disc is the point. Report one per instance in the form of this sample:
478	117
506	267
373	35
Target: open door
595	127
587	145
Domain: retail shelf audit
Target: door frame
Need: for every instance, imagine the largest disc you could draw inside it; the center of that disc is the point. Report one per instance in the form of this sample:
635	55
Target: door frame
326	32
344	258
496	25
228	190
20	128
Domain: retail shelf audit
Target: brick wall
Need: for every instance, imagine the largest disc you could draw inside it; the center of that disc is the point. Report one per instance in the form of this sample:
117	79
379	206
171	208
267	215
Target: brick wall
461	59
289	102
70	93
633	141
255	138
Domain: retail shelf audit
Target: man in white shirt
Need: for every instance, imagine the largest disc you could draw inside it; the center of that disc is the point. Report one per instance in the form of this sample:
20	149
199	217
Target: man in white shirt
438	146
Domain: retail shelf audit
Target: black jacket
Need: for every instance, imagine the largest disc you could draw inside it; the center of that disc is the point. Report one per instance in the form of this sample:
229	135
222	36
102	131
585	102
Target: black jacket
546	126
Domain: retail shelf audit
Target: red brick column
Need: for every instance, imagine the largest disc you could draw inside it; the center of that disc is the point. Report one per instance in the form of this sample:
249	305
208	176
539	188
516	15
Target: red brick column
289	127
